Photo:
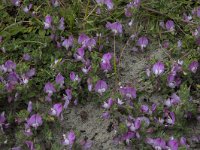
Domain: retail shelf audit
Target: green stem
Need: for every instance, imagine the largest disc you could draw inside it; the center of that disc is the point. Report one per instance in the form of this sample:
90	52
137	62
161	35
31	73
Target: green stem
36	42
114	61
86	12
16	23
91	12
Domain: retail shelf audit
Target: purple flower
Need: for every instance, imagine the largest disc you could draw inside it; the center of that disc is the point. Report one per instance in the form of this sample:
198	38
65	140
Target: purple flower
148	72
108	3
120	102
24	79
100	2
16	148
106	115
82	39
49	88
198	11
98	11
137	3
69	139
90	43
170	25
173	144
68	42
173	81
186	17
135	125
30	73
108	104
86	144
55	3
158	68
183	142
56	110
68	94
90	85
10	86
2	118
10	66
47	22
85	41
27	130
13	77
86	69
128	92
127	136
76	102
26	9
35	121
30	145
60	79
106	57
67	97
198	41
157	143
165	44
144	120
74	77
61	25
128	12
115	27
105	62
173	100
171	118
142	42
101	86
16	2
26	57
30	106
193	66
179	44
162	24
177	67
144	108
79	55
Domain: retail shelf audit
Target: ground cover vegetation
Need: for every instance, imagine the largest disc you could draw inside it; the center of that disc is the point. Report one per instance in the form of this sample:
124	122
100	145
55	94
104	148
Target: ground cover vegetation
57	54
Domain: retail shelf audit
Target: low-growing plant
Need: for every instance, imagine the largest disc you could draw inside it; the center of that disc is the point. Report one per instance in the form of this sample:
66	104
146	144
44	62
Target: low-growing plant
57	54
